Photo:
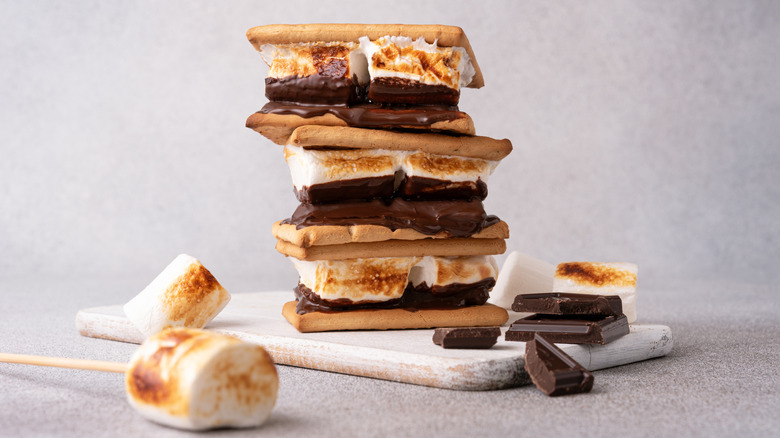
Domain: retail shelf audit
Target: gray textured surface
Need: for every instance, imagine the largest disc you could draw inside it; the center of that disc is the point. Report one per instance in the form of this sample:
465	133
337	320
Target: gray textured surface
643	131
720	380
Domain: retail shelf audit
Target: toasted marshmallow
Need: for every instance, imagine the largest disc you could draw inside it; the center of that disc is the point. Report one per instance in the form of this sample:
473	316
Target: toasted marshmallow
442	271
449	168
416	60
521	274
600	279
380	279
195	379
185	294
309	167
357	280
332	59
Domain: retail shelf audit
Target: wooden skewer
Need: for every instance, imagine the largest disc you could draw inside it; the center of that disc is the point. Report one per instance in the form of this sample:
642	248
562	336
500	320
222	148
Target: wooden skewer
63	362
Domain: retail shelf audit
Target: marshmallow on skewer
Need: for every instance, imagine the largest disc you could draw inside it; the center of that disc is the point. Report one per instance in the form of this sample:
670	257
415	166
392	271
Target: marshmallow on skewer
196	380
185	294
600	279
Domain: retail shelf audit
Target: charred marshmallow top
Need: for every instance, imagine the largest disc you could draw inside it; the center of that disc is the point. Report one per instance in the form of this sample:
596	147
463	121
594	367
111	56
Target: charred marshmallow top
385	278
333	59
402	57
309	167
389	56
184	294
601	279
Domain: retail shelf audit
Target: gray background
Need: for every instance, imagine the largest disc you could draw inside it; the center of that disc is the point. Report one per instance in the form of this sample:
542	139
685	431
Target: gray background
643	131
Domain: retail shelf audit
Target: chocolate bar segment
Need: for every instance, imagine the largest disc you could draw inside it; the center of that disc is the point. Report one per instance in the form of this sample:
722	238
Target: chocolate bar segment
466	337
315	89
553	371
559	303
563	329
405	91
350	190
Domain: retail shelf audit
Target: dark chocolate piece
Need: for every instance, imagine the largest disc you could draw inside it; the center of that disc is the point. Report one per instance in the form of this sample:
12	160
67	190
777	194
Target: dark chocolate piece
411	189
564	329
458	218
371	115
314	89
428	189
553	371
358	189
466	337
400	90
422	296
558	303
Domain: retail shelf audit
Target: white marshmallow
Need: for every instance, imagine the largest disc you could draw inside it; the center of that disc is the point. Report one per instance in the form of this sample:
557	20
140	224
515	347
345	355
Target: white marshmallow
600	279
195	379
441	271
521	274
185	294
309	167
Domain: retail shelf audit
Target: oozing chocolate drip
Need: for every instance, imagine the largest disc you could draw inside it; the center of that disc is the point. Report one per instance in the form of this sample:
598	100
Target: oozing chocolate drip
458	218
400	90
450	296
371	115
315	89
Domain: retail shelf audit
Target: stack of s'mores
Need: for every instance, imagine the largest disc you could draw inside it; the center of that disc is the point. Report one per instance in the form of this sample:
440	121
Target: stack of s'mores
391	232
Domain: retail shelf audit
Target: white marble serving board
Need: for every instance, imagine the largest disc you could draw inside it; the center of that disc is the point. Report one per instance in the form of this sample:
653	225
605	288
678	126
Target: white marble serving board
408	356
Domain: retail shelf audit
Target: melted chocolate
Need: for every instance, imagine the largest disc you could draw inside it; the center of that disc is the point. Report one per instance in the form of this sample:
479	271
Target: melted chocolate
454	295
371	115
315	89
458	218
411	188
399	90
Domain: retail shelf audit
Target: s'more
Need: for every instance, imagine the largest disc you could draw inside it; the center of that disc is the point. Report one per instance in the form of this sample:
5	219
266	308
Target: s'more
391	231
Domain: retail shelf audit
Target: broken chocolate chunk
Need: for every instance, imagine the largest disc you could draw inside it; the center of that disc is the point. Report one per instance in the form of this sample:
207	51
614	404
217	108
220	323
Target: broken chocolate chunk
560	303
553	371
563	329
466	337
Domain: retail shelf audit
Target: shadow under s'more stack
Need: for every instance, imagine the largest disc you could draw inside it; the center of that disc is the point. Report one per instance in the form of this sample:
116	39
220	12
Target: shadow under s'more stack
391	232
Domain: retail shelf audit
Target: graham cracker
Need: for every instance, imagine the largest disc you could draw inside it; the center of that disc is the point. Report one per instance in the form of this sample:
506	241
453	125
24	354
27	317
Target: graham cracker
341	234
390	319
395	248
279	127
359	138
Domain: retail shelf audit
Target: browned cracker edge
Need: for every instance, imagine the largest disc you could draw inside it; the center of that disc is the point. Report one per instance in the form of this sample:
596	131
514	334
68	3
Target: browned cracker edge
279	127
345	136
390	319
342	234
446	36
395	248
